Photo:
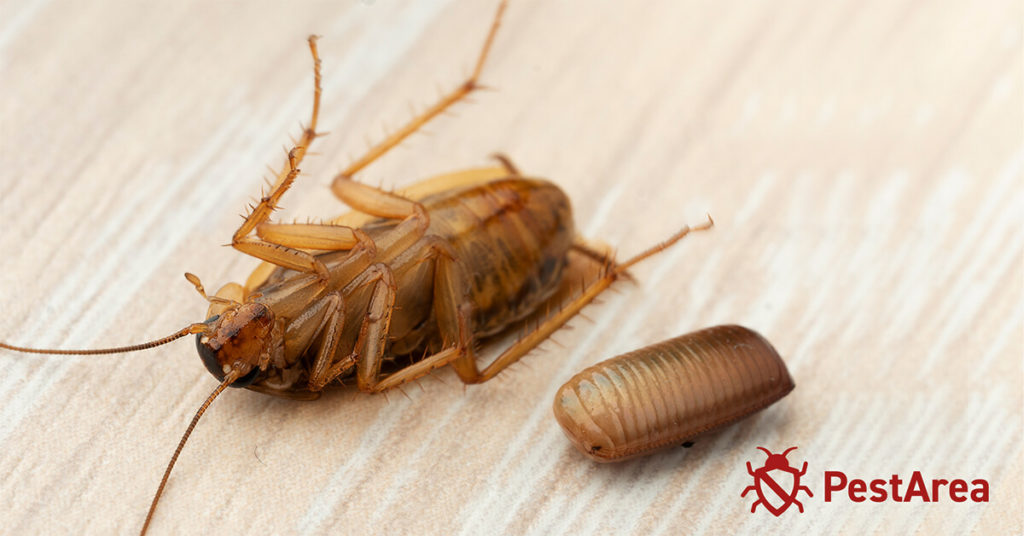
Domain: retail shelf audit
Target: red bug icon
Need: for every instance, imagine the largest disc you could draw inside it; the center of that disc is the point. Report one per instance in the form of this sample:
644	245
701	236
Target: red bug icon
764	479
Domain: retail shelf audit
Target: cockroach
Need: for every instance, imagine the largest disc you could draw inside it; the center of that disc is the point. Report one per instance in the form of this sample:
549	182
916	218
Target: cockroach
665	394
409	282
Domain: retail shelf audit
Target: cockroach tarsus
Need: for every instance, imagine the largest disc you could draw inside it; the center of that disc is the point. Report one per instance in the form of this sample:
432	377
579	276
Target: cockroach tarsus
427	272
665	394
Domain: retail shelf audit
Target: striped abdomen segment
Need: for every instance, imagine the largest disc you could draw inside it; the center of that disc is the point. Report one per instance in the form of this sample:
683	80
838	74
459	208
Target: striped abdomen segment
512	237
666	393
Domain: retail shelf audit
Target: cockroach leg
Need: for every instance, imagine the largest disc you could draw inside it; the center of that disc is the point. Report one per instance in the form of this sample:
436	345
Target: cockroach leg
374	331
588	250
599	253
437	184
284	251
446	101
383	204
282	256
541	333
369	348
308	235
506	163
454	315
331	313
282	244
376	202
290	170
302	330
448	278
417	370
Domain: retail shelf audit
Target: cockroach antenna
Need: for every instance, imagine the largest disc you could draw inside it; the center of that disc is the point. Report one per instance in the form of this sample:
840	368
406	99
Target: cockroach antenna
189	330
192	329
230	378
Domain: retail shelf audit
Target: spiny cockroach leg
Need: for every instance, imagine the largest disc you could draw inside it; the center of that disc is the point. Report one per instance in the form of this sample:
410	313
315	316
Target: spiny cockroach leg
280	244
416	370
606	259
376	202
439	107
309	235
261	212
380	203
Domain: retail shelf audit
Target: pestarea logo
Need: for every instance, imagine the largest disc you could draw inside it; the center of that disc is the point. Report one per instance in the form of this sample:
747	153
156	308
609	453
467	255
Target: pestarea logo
777	484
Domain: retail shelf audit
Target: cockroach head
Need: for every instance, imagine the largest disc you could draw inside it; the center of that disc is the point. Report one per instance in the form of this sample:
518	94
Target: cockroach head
240	337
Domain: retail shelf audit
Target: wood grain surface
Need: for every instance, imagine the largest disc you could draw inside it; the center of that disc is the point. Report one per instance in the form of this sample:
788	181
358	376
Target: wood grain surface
862	160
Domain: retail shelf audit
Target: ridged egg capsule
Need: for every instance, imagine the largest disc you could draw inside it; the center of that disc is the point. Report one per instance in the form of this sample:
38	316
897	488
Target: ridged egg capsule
664	394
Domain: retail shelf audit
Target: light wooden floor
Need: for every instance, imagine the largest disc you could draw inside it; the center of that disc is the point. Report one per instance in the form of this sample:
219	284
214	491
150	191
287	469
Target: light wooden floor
862	161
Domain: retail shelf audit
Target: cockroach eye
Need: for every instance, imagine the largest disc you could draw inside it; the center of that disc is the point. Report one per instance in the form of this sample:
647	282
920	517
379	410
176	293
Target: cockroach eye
209	357
207	354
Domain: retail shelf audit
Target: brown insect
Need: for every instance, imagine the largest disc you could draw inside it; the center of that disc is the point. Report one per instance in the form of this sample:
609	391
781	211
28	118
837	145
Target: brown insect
667	393
410	283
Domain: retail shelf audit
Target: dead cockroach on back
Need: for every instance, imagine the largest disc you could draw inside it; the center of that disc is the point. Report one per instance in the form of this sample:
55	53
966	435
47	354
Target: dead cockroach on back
424	276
